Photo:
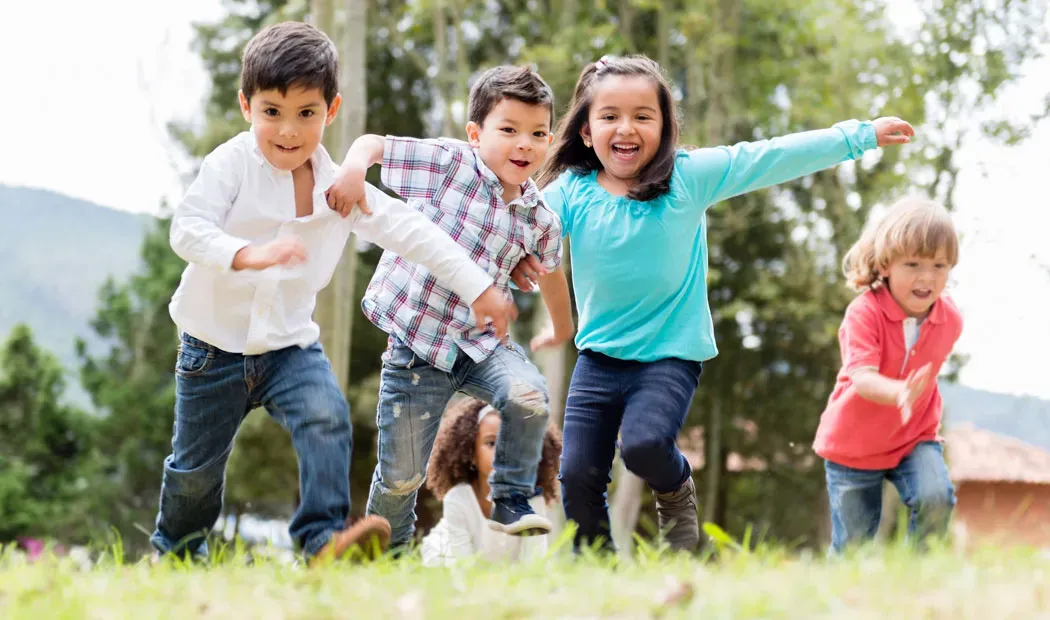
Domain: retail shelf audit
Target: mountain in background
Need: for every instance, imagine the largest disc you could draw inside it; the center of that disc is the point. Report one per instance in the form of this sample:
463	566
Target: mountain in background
55	254
1022	417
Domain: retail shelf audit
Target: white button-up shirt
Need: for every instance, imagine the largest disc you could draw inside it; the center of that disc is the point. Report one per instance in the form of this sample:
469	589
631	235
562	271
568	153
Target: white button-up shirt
239	198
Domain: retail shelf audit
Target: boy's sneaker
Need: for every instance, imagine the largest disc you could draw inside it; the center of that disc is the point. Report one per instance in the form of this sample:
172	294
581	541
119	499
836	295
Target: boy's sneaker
677	517
370	535
513	515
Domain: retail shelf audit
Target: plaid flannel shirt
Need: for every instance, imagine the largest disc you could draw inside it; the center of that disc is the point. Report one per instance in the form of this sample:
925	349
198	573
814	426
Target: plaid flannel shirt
447	181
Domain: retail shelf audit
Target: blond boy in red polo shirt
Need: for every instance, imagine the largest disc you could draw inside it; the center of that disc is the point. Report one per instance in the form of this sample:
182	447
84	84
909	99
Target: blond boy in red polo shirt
882	417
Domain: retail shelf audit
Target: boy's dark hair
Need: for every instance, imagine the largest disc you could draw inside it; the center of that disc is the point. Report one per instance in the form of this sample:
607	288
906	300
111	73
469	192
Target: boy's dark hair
568	151
290	54
507	82
452	460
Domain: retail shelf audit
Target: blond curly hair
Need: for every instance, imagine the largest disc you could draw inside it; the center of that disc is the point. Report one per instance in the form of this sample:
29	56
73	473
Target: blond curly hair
913	226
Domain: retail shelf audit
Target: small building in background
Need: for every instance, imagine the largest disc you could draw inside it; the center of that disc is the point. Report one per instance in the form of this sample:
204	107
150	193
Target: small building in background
1002	486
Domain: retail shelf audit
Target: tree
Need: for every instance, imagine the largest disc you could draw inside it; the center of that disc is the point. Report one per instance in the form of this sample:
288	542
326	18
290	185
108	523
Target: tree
47	449
133	385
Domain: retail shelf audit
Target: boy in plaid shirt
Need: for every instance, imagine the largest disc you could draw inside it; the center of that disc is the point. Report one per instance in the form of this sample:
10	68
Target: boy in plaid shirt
481	194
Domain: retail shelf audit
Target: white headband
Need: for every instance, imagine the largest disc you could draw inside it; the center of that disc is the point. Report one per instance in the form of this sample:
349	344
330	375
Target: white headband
487	409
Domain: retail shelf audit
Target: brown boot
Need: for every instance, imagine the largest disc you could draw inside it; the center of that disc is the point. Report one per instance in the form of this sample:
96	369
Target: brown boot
370	535
677	517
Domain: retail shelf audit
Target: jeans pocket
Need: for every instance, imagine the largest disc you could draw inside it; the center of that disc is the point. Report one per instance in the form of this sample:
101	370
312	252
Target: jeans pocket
399	357
194	357
517	349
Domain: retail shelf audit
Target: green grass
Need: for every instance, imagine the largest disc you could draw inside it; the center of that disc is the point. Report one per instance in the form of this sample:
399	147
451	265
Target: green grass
891	582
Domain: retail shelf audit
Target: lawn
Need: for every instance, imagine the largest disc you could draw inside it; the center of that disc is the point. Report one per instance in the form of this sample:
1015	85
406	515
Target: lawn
883	583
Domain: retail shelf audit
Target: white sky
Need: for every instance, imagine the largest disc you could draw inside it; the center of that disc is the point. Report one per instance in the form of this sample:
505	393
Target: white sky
87	98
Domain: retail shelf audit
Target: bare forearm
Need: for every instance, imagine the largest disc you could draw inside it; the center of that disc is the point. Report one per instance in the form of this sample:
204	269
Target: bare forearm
877	388
366	151
555	290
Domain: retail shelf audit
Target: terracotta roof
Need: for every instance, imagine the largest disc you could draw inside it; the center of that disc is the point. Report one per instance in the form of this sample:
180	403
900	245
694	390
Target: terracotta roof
979	455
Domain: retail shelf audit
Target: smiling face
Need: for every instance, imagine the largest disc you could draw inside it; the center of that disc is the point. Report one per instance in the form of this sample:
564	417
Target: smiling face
624	126
513	141
916	282
288	127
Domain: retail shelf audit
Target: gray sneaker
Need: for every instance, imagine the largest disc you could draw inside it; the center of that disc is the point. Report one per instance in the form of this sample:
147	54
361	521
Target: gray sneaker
677	517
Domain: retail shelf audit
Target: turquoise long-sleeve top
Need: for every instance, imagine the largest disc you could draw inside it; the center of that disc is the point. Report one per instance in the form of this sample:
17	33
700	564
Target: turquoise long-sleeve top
639	269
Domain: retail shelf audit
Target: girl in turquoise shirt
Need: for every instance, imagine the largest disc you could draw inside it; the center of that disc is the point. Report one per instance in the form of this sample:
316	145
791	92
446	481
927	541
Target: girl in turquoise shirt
633	206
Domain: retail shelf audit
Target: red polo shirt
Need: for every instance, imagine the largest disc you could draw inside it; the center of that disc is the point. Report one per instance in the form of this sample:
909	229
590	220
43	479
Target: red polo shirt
859	433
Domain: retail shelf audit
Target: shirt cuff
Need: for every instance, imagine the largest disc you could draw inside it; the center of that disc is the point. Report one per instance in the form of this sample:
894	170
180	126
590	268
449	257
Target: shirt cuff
226	248
860	136
853	371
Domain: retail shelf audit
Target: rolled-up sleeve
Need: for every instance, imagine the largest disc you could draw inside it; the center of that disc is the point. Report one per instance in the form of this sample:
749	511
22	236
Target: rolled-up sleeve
196	233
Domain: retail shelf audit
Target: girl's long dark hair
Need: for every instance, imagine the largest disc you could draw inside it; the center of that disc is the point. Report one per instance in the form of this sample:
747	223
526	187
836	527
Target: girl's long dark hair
569	151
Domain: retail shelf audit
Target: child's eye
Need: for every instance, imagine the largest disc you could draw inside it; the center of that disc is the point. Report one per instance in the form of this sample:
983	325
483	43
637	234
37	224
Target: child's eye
608	117
271	112
540	134
911	264
507	130
306	113
643	117
491	443
941	266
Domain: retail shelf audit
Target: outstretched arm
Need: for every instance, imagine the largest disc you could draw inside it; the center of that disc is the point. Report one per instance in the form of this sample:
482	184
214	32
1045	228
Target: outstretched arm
716	174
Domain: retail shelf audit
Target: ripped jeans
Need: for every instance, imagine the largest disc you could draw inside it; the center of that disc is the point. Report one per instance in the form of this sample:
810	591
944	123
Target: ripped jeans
413	396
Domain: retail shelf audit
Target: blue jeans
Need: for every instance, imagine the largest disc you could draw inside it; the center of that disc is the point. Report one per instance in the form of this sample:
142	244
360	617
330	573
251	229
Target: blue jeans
214	391
922	481
645	403
412	398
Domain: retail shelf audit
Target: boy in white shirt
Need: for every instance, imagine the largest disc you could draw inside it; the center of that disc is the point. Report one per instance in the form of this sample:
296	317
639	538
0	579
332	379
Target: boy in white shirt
261	243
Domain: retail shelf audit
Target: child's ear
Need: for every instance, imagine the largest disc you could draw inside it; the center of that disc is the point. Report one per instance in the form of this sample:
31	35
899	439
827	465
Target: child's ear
474	134
333	109
585	133
246	110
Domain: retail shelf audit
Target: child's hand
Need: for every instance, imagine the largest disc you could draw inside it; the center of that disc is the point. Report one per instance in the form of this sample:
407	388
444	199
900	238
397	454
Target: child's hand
547	339
494	307
527	272
348	190
283	251
892	130
912	388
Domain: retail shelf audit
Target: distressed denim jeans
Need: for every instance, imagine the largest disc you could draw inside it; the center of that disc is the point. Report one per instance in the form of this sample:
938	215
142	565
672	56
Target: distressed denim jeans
924	486
412	398
214	391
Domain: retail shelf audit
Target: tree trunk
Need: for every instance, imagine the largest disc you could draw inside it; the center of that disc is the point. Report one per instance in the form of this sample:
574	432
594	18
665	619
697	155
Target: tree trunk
720	79
626	505
663	33
344	21
461	79
627	24
713	463
443	79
